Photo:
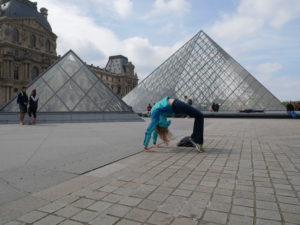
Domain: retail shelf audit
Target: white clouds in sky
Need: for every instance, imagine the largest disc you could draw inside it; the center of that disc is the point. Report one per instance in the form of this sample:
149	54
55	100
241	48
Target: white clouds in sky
265	71
253	15
171	7
78	31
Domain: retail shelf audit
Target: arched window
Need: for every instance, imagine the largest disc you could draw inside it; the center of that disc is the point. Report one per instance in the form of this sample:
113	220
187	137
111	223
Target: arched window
15	35
16	73
34	72
33	41
48	45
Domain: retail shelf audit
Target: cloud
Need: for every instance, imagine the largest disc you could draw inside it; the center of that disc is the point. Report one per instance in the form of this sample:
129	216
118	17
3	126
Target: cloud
94	43
265	71
123	7
254	15
171	7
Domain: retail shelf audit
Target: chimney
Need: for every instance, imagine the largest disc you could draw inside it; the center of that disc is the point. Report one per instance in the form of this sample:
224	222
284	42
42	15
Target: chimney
44	12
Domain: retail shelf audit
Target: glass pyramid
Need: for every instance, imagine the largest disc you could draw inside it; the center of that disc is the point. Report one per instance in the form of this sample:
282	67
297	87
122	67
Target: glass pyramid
70	86
205	73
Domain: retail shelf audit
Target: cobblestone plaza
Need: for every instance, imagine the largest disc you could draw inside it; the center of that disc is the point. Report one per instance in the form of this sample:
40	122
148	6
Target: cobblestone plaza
250	174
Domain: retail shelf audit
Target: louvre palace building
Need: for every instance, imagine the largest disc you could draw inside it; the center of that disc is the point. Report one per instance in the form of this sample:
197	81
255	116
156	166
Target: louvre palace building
28	48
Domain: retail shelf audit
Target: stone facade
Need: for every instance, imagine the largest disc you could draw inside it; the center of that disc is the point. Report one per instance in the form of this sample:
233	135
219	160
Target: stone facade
27	45
118	74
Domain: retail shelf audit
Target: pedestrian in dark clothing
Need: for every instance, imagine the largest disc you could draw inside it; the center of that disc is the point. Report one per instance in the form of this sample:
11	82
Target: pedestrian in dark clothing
33	105
291	110
213	107
22	100
217	106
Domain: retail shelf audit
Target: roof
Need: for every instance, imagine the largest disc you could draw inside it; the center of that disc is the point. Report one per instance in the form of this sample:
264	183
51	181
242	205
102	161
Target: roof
21	9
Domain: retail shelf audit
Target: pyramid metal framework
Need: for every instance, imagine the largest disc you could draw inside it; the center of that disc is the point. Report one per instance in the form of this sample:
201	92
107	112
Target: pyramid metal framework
70	86
204	72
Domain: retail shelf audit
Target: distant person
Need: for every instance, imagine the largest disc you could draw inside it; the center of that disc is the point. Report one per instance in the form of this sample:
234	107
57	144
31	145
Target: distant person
213	107
190	101
33	105
186	99
22	100
148	108
159	123
217	106
291	110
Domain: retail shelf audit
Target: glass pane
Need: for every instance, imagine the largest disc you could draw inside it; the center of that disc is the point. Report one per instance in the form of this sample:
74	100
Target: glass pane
86	105
70	94
85	79
54	105
55	78
70	64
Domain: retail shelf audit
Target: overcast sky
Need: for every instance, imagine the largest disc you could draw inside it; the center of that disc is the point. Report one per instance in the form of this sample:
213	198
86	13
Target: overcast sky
262	35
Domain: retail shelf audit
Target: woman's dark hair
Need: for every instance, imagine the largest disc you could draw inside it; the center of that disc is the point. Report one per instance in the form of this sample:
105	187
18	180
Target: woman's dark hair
163	133
33	92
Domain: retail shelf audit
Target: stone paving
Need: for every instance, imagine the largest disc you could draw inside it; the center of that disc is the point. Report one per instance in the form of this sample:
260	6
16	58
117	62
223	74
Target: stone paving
250	174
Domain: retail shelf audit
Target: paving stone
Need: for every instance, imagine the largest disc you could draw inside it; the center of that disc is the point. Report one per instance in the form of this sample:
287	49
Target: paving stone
288	200
32	216
290	208
238	220
158	218
266	205
184	221
172	205
184	193
243	202
149	204
221	198
291	217
128	222
160	197
108	188
140	215
215	217
113	198
85	216
268	214
50	208
217	206
68	211
49	220
164	190
104	220
241	210
100	206
83	203
118	210
96	195
260	221
68	199
130	201
70	222
15	223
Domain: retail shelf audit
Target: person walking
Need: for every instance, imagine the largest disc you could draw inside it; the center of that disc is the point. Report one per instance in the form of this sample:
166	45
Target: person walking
291	110
22	100
33	105
159	123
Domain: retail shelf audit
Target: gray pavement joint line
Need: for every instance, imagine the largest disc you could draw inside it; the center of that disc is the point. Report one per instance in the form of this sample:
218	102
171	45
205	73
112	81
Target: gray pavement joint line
253	183
11	185
270	177
206	208
189	173
38	148
287	176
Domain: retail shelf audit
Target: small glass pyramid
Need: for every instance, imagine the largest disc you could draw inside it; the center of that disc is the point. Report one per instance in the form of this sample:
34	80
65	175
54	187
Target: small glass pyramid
70	86
205	73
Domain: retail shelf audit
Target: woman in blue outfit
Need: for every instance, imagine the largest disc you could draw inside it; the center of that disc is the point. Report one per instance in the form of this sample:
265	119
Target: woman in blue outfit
159	123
